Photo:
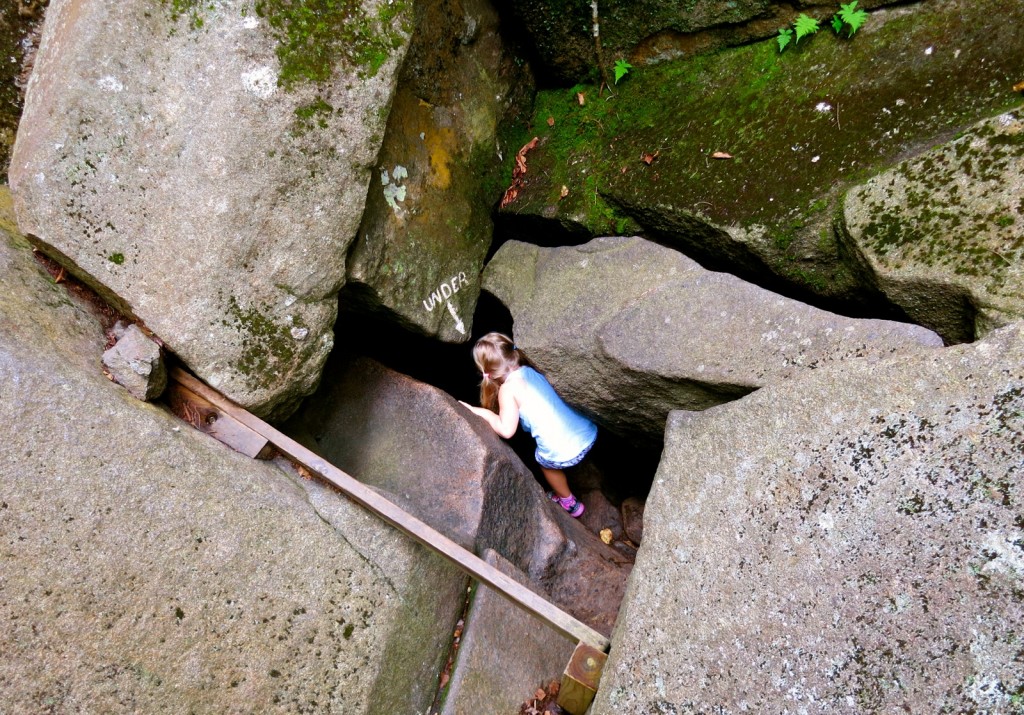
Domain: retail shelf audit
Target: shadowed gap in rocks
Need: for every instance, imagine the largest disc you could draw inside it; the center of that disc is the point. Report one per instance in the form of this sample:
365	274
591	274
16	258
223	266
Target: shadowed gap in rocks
617	467
551	233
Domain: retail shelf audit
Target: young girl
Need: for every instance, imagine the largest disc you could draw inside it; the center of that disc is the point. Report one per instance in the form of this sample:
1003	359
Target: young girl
514	391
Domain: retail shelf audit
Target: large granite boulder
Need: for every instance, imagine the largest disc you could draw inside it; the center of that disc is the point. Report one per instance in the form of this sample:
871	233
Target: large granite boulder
630	330
802	127
205	167
943	234
434	459
446	466
849	542
427	226
148	568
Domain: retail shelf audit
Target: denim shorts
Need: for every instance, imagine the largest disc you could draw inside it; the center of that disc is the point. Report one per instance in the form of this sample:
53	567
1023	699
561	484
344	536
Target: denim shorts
568	463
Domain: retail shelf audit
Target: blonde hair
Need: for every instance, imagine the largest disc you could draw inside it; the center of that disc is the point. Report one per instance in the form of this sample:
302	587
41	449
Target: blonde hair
496	356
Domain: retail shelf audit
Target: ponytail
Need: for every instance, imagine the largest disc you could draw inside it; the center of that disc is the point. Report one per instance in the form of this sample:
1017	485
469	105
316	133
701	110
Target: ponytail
496	356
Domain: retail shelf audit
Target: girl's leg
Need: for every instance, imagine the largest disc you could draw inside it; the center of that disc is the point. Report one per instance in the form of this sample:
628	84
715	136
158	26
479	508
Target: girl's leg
557	481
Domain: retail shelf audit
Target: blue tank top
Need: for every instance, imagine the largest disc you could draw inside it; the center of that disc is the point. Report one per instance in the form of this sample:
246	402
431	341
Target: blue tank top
561	432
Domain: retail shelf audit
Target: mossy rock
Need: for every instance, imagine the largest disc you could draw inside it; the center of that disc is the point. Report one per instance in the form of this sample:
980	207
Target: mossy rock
561	31
943	234
427	226
214	198
801	128
18	24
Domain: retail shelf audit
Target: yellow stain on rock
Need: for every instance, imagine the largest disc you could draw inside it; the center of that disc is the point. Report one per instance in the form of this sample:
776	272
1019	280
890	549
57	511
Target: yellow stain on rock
440	142
7	221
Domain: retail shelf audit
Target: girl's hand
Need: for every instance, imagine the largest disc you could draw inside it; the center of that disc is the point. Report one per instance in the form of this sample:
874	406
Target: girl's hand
505	422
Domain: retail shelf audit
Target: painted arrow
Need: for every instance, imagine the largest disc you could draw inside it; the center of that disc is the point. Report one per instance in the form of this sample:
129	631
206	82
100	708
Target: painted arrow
458	321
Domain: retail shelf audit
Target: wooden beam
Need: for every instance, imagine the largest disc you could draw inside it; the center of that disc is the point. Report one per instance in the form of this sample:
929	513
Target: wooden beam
580	680
401	520
205	417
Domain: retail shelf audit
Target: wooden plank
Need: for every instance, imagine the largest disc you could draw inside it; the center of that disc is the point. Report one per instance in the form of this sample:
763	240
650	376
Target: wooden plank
207	418
581	678
401	520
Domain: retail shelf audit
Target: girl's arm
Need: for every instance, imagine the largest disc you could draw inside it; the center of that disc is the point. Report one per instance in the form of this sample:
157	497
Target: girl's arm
505	422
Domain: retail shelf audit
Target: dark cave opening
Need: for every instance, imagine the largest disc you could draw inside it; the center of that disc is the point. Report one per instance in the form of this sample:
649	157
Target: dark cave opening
618	466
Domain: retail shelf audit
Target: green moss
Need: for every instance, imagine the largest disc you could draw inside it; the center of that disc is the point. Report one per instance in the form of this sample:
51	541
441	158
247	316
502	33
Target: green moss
266	344
802	128
783	240
191	9
117	258
314	36
310	115
16	22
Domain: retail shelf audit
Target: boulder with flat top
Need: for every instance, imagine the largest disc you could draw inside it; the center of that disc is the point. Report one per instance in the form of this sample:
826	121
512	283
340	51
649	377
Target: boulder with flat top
629	330
942	234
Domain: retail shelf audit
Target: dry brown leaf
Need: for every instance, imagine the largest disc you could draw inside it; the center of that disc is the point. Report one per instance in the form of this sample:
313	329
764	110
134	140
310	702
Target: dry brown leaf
564	192
581	98
606	536
539	694
551	121
649	158
517	174
1019	87
721	155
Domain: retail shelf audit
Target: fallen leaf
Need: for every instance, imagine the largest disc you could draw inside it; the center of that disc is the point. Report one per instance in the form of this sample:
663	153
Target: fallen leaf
649	158
517	174
444	679
1019	87
539	694
721	155
581	98
606	536
624	170
551	121
564	192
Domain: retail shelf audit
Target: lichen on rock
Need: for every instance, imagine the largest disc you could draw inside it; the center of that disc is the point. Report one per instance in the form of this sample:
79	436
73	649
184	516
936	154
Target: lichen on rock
942	234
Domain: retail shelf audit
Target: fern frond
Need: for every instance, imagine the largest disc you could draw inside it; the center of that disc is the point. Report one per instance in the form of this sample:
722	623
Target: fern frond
805	26
784	38
853	17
